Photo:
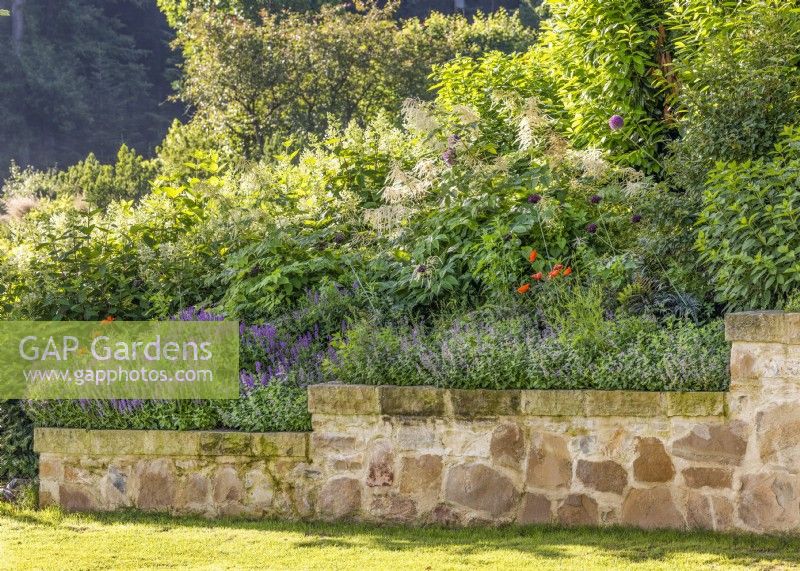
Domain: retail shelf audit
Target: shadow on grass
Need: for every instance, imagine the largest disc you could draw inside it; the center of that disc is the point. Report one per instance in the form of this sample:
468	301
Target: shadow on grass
630	545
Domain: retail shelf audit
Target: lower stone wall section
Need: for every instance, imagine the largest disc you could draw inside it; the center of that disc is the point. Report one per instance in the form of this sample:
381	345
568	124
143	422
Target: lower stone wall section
209	473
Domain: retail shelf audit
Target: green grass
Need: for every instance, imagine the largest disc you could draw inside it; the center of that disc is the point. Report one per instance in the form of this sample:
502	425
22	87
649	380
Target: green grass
53	540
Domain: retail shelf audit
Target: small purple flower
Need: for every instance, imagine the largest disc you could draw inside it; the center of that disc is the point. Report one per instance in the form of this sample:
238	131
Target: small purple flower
421	269
449	157
616	122
591	228
534	198
453	140
595	199
636	218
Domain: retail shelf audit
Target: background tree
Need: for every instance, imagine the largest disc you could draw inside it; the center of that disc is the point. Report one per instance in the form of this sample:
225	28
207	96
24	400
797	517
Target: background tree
300	72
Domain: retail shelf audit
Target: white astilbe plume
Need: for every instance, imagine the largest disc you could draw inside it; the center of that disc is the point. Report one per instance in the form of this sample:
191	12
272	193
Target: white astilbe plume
635	181
590	161
386	218
531	123
466	114
19	206
402	187
417	116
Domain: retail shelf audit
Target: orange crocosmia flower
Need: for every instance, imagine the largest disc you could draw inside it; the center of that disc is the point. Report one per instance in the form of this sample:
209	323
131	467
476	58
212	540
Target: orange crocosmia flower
108	319
532	257
537	276
558	267
567	272
553	274
524	288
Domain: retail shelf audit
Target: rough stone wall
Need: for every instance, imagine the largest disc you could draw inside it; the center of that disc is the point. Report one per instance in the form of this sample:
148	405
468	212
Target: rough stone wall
422	455
208	473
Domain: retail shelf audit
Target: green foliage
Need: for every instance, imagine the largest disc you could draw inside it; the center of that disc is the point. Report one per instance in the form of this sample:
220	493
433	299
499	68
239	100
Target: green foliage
178	11
512	349
99	185
17	459
738	89
302	71
602	59
276	407
748	239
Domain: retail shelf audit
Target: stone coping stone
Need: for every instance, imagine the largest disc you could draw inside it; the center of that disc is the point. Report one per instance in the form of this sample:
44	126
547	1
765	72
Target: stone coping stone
370	400
75	441
763	327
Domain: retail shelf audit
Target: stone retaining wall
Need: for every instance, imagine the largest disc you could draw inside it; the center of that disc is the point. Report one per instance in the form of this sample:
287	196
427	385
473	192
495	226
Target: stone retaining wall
423	455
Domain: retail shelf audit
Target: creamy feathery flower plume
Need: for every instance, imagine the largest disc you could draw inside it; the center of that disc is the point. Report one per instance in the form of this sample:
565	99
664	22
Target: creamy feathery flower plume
590	161
532	121
386	218
18	207
417	116
466	114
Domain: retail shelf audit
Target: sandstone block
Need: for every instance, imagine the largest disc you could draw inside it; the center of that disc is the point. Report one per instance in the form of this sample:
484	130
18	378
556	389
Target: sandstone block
651	509
339	498
578	509
412	401
536	508
714	443
549	462
691	404
347	400
193	493
381	465
652	463
421	475
445	515
75	498
757	326
778	433
552	403
605	476
507	447
480	487
50	467
482	403
623	403
769	501
227	485
393	508
156	485
700	477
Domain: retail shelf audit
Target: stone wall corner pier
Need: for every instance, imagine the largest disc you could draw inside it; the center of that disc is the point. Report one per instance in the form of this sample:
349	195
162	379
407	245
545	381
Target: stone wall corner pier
417	455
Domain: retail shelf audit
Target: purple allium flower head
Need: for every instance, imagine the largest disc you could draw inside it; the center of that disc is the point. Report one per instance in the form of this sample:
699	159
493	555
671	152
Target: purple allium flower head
616	122
534	198
591	228
595	199
636	218
449	157
421	269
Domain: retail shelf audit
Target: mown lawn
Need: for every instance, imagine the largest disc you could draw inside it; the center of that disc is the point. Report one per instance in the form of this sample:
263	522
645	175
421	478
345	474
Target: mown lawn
52	540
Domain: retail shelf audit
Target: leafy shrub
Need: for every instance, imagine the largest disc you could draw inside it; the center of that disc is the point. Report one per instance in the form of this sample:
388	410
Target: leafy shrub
301	72
17	459
738	88
747	231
